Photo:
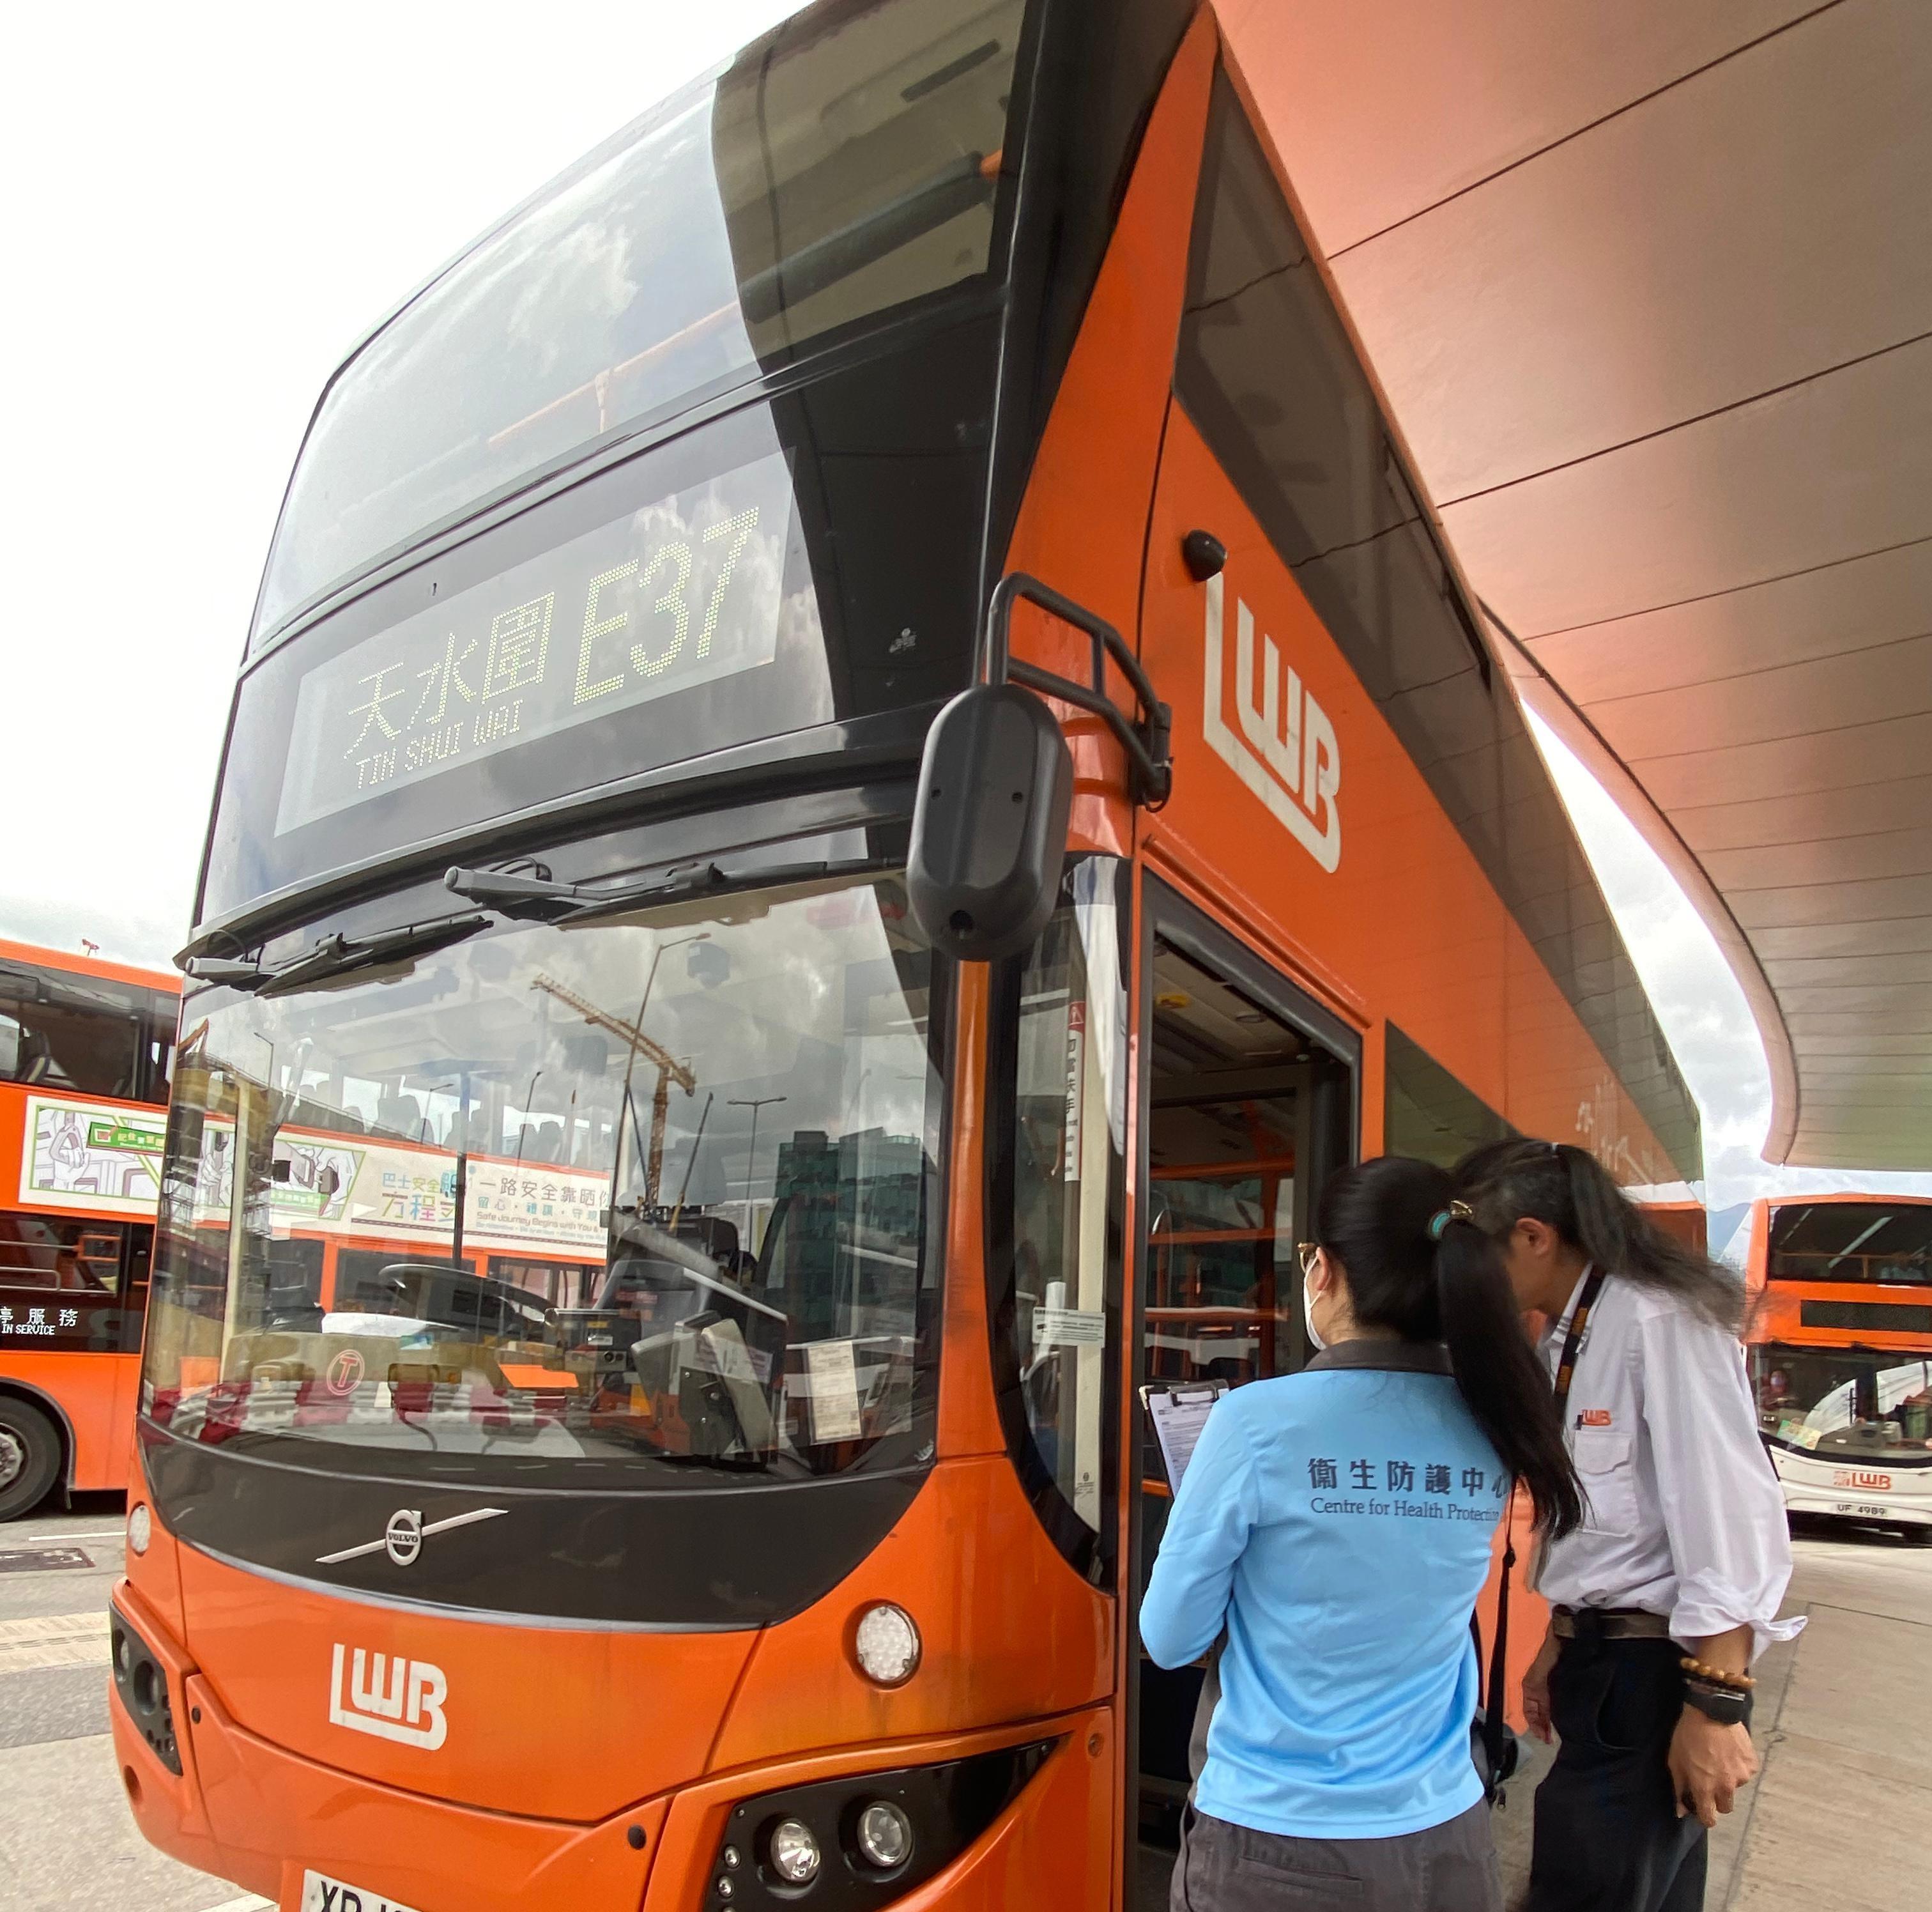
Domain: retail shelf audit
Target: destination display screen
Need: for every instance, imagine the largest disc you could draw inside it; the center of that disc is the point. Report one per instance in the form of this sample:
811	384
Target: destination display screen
687	590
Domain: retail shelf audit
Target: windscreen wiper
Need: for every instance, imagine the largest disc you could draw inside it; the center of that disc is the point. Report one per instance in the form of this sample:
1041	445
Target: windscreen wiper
335	956
509	893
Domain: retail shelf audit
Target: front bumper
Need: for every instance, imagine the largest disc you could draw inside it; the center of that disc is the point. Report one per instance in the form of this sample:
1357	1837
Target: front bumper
247	1810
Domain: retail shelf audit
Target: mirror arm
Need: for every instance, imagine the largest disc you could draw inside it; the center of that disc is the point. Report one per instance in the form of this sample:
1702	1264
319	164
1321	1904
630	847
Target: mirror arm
1154	780
1148	743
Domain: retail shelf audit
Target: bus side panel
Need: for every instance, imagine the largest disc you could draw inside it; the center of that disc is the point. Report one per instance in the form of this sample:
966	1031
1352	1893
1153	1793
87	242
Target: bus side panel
93	1395
1559	1085
1082	526
1365	887
1368	893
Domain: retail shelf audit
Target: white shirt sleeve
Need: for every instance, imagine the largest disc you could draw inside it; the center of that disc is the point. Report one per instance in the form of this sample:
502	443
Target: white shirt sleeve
1722	1506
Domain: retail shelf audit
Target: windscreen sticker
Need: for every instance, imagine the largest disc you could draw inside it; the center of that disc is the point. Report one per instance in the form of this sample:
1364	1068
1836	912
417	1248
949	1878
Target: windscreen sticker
104	1156
683	592
832	1385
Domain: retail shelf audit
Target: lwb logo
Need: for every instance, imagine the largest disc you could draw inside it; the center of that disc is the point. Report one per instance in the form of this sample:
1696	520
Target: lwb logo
1282	747
392	1697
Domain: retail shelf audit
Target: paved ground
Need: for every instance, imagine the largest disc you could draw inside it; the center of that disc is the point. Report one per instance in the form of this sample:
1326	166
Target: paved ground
1841	1818
1840	1821
67	1842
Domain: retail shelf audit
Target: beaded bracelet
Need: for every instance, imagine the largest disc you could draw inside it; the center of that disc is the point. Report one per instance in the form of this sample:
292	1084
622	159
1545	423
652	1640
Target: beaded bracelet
1733	1682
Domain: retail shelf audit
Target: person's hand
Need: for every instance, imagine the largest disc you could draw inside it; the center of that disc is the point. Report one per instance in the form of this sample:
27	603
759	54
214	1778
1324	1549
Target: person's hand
1708	1763
1536	1687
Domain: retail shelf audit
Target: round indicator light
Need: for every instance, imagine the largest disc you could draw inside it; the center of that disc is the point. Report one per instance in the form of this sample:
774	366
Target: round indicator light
140	1526
795	1854
887	1645
884	1835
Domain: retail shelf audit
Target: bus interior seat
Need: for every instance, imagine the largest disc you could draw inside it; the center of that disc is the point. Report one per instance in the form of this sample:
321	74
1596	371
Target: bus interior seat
401	1115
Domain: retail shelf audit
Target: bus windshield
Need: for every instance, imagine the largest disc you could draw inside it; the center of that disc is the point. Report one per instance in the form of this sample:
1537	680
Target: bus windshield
845	165
562	1200
1847	1403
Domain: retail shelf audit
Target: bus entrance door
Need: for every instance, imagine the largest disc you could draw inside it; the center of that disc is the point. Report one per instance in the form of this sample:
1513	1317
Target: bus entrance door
1246	1104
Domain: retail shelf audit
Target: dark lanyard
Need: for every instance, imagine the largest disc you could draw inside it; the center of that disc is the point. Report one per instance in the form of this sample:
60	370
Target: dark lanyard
1573	1341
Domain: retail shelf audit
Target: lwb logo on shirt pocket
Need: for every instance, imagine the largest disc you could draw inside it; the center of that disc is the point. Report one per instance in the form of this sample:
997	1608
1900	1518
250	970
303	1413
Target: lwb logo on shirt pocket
1606	1461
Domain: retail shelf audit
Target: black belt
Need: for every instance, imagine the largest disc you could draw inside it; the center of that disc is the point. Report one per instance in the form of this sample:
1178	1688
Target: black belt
1608	1623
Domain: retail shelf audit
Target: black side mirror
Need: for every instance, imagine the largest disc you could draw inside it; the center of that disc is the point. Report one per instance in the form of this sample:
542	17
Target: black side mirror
989	824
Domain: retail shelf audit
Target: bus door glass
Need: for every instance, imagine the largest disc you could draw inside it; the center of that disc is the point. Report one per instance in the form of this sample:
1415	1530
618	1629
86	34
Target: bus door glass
1246	1110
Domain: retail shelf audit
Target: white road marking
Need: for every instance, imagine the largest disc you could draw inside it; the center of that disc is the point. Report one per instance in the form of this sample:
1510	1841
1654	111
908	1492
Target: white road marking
250	1904
54	1639
60	1540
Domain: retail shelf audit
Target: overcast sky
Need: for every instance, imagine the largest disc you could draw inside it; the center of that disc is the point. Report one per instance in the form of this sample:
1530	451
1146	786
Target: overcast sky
208	206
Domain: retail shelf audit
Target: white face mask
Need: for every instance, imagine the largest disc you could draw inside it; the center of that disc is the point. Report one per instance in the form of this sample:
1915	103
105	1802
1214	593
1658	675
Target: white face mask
1308	1316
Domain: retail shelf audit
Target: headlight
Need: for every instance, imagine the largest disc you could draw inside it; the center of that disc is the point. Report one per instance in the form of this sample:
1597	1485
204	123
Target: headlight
884	1835
887	1645
794	1852
861	1842
140	1527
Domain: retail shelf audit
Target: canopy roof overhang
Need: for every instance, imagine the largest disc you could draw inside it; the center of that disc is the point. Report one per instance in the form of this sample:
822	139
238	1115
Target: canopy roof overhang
1648	287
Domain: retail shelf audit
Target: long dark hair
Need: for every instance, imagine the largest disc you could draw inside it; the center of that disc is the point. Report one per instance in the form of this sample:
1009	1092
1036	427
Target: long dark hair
1569	1189
1414	1267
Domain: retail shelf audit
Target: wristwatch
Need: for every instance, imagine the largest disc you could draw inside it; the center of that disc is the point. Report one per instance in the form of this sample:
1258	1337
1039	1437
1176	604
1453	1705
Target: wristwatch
1726	1709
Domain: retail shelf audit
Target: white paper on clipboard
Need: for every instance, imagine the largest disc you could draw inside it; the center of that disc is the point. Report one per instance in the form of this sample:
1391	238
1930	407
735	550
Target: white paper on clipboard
1179	1414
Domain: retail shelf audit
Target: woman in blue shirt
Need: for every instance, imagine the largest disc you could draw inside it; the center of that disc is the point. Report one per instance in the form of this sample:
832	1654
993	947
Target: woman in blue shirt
1337	1523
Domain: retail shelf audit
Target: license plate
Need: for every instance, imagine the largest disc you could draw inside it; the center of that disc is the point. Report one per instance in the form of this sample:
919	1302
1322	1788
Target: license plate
1870	1511
320	1893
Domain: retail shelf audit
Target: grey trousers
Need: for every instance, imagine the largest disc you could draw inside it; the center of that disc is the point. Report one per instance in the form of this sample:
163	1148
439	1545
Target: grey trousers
1450	1868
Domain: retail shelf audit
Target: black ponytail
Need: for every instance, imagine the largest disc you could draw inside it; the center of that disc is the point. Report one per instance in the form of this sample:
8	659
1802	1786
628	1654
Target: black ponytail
1417	1268
1571	1191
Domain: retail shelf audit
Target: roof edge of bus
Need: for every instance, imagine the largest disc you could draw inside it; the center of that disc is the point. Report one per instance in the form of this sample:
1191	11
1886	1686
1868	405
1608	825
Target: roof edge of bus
103	968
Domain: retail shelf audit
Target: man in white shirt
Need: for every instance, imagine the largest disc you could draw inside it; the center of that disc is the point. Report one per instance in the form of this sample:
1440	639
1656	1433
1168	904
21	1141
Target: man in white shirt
1665	1596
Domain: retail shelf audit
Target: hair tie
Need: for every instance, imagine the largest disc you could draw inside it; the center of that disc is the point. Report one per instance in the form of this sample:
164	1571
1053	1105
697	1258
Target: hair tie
1456	1211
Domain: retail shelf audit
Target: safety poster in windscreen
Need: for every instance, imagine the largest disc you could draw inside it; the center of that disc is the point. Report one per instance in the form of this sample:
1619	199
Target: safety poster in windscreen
684	591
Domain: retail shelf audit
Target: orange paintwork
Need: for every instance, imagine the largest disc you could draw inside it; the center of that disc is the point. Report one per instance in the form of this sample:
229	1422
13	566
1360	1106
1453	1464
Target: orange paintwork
1082	524
1776	1306
1010	1631
97	967
561	1739
93	1398
598	1719
1687	1221
969	1417
1406	929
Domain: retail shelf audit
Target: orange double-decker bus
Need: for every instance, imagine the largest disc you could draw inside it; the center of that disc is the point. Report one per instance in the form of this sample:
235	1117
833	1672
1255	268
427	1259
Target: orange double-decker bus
84	1053
882	1097
1841	1339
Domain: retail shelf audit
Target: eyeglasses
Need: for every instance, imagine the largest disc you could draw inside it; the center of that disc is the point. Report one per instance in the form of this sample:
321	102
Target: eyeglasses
1305	1252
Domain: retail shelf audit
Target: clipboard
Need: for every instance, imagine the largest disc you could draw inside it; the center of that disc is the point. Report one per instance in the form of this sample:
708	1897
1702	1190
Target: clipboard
1177	1412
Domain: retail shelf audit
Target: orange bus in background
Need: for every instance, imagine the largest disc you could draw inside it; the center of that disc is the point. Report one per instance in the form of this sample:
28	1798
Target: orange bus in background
781	1544
84	1050
1840	1339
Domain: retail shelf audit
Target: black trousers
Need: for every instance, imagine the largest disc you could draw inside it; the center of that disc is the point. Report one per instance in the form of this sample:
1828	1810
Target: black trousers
1608	1836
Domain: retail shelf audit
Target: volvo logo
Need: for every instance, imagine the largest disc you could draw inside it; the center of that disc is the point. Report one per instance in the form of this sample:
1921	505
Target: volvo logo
403	1538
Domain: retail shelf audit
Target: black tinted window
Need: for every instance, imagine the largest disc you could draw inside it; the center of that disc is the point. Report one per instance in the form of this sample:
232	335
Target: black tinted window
1427	1112
74	1032
1883	1242
847	164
